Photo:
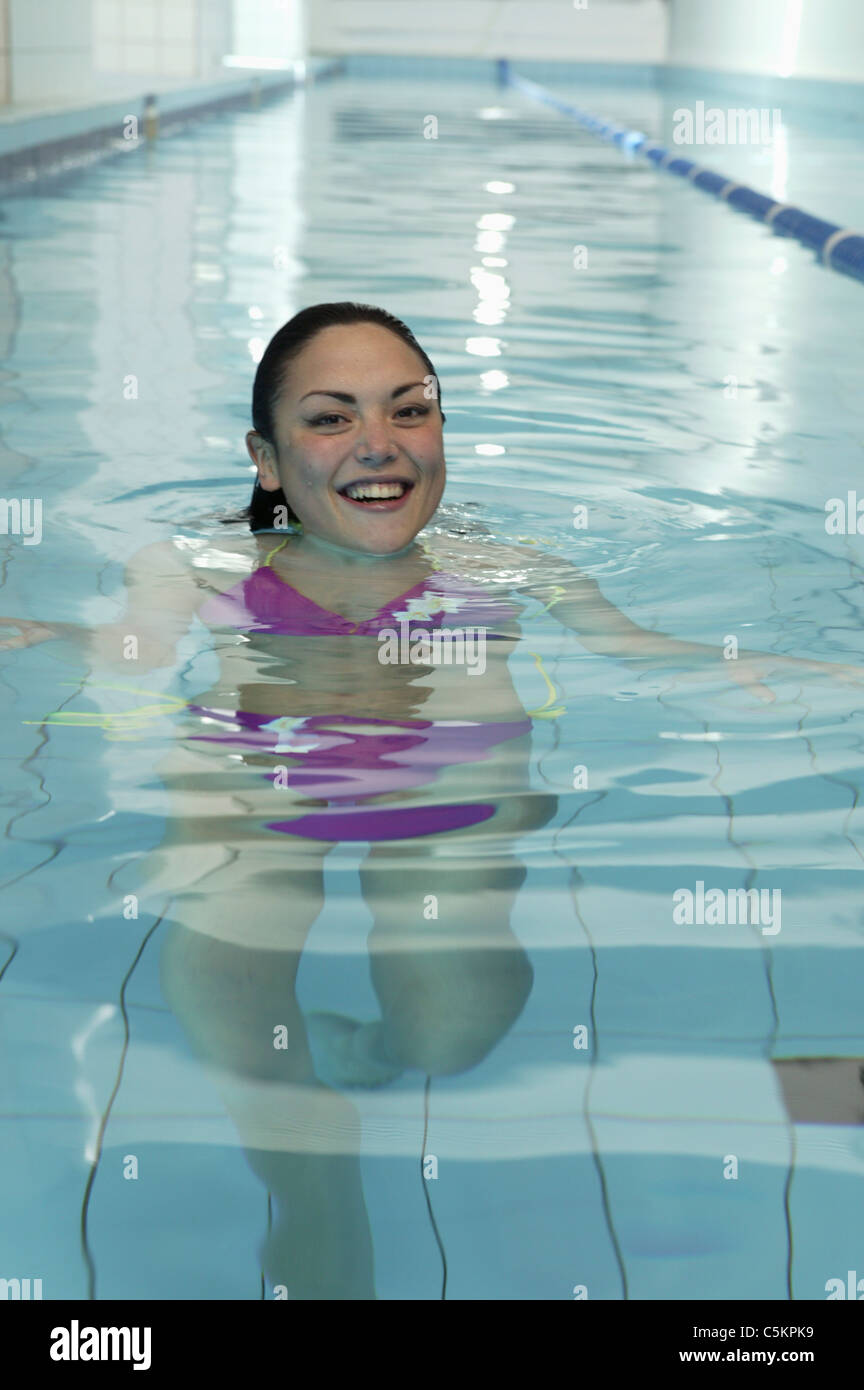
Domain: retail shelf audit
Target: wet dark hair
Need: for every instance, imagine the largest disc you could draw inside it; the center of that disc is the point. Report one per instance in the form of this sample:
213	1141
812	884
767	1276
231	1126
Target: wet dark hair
270	510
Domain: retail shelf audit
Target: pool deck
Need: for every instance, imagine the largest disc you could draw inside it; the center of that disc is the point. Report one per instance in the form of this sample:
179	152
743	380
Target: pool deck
42	139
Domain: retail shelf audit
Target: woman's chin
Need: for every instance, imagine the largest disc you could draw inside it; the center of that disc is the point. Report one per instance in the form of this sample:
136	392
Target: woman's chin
386	542
381	547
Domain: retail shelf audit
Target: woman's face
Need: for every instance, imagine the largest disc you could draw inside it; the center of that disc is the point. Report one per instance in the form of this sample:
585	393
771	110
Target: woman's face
360	452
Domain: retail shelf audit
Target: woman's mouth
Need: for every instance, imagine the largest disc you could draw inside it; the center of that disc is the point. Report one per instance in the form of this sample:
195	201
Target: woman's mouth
378	494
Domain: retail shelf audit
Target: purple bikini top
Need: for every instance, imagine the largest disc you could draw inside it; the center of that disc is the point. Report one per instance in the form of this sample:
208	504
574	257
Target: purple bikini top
265	603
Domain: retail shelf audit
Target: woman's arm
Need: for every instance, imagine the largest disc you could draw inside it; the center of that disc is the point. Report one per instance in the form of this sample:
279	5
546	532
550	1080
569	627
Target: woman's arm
577	602
161	599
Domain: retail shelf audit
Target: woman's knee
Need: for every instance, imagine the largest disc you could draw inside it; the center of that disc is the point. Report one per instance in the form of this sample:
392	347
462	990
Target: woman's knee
447	1017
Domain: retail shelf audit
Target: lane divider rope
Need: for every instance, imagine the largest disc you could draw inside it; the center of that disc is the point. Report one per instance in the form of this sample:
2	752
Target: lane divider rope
839	248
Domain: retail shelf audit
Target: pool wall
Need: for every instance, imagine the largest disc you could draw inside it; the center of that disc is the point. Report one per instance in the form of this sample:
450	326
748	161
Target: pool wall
39	141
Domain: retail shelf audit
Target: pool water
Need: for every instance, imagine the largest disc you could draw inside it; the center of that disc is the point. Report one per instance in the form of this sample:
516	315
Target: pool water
676	1110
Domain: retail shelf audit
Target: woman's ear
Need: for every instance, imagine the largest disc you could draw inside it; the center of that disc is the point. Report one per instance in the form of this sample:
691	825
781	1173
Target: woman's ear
263	455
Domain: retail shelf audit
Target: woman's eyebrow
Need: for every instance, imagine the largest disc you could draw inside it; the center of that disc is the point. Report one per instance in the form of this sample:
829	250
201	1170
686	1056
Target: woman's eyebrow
352	400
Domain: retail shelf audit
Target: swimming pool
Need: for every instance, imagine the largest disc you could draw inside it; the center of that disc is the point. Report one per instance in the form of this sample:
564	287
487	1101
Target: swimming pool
691	381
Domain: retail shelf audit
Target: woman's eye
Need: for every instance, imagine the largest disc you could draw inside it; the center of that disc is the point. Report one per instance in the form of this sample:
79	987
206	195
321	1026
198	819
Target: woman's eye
406	412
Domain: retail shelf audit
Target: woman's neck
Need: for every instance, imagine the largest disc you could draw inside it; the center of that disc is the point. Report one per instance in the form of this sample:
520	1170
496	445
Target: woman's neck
319	554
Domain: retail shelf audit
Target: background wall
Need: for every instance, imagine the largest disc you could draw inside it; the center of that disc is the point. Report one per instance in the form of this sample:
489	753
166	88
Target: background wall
65	50
161	36
50	47
801	38
616	31
55	52
4	51
62	50
271	29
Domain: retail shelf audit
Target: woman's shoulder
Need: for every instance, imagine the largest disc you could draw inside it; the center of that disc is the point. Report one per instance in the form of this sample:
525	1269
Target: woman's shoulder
503	564
215	561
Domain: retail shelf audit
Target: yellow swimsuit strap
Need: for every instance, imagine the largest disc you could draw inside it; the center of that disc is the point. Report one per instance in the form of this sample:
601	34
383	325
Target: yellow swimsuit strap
559	594
162	704
543	711
119	724
427	550
274	551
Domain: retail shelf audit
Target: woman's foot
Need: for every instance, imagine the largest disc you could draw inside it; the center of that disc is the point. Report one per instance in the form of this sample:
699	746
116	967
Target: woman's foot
344	1052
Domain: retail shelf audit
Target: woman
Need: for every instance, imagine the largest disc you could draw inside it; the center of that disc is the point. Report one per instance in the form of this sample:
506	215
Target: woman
310	738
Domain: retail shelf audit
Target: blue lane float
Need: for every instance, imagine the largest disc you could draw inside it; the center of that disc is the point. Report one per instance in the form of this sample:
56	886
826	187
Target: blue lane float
839	248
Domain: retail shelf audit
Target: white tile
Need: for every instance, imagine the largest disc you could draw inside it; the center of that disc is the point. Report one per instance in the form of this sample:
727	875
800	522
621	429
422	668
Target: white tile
48	76
826	1211
42	1163
140	21
50	24
107	55
177	22
107	19
187	1227
524	1231
686	1088
393	1193
139	57
62	1057
683	1228
177	60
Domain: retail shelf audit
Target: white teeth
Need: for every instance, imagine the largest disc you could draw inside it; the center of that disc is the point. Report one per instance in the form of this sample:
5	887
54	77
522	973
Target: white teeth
375	491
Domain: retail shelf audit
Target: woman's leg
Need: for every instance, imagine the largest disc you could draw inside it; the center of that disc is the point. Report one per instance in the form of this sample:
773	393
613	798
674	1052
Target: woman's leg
236	1002
449	987
450	975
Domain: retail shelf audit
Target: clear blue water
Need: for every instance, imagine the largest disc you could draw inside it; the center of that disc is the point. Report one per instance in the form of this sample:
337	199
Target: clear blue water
695	385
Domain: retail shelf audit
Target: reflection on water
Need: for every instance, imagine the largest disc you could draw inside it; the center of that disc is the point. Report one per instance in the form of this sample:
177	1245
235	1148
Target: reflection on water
440	786
487	1053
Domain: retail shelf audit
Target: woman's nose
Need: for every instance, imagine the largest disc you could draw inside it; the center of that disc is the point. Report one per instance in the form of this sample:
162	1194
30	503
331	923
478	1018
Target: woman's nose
375	446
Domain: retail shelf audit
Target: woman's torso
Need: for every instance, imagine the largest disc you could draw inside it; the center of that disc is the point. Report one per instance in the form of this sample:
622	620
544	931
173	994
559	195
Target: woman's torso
345	734
292	660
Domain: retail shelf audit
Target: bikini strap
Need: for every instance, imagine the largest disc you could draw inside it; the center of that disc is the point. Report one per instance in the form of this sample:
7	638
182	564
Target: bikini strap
544	711
436	559
121	724
268	557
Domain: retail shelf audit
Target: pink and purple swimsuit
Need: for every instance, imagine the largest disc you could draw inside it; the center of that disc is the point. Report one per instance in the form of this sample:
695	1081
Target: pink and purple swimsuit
344	768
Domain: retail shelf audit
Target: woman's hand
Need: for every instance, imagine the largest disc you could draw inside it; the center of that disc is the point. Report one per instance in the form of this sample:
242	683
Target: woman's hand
837	670
161	601
30	633
751	670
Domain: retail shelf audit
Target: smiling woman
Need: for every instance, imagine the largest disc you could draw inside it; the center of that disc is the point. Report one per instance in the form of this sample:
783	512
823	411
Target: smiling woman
298	377
307	739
